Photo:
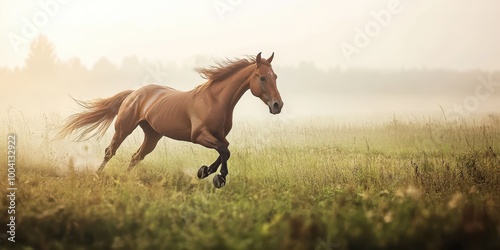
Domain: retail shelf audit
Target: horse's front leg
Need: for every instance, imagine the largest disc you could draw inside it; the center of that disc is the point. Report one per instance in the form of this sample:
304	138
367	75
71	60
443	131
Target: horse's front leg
205	171
208	140
220	179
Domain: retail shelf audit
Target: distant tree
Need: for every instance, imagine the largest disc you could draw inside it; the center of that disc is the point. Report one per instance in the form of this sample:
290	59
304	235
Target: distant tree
41	61
75	66
104	67
131	71
105	75
72	75
131	63
202	60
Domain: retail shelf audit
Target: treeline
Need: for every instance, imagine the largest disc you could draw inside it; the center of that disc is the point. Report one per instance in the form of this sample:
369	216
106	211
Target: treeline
44	79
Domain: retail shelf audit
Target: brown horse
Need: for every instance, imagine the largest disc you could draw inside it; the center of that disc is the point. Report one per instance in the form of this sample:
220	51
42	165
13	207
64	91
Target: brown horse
203	115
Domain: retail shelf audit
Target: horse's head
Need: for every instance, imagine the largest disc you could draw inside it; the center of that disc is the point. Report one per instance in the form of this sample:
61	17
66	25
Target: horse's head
263	84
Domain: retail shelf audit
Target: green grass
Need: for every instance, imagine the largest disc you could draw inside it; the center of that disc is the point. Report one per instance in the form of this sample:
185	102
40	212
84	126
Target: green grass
298	185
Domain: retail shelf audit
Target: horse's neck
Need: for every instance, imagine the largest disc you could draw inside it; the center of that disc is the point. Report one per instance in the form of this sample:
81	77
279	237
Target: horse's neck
229	91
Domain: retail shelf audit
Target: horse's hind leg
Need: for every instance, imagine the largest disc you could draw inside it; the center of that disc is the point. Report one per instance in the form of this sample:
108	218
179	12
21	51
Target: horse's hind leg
111	149
122	130
151	138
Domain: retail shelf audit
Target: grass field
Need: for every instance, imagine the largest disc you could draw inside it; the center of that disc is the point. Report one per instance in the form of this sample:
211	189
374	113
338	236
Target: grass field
316	184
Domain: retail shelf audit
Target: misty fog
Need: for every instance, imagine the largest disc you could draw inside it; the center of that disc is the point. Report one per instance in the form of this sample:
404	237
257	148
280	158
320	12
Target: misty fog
342	59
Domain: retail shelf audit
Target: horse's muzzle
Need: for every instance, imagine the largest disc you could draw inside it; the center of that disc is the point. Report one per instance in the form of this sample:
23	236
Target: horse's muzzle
275	107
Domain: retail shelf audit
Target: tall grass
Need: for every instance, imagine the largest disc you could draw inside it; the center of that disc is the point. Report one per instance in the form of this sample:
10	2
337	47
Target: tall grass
310	184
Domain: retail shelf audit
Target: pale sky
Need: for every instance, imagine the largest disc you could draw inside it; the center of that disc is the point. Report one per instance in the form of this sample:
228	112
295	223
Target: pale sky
456	34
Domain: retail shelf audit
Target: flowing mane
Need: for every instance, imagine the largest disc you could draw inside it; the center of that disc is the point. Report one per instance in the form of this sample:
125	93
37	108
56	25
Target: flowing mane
224	69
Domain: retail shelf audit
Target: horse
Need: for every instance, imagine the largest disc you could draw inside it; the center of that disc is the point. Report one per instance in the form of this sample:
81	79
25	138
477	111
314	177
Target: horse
203	115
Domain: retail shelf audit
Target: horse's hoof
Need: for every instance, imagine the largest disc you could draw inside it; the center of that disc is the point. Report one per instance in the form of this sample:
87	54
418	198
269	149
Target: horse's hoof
203	172
219	181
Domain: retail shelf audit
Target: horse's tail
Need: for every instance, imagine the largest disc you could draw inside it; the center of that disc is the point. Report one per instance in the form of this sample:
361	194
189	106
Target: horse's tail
98	115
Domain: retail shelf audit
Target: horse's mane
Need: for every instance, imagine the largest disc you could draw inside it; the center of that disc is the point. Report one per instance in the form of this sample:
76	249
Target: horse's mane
224	69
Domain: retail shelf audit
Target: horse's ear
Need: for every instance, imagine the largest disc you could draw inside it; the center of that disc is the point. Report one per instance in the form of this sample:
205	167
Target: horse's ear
258	58
270	59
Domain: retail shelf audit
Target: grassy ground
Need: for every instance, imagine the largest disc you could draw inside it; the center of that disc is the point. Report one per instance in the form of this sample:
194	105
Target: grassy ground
309	185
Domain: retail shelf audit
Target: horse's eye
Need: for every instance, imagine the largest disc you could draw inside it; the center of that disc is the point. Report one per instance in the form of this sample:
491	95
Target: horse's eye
262	78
